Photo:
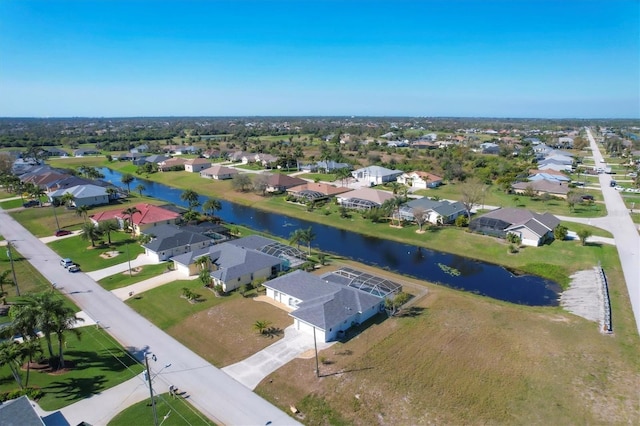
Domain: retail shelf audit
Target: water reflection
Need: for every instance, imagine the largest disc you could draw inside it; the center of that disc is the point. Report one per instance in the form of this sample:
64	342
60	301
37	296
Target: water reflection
475	276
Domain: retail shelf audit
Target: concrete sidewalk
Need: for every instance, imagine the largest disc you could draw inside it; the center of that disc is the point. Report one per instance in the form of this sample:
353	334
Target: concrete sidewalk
125	293
141	260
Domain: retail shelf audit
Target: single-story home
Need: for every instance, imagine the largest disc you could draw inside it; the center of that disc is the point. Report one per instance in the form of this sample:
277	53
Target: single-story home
318	305
156	158
420	180
363	198
170	240
279	182
21	411
324	166
533	229
218	172
549	176
539	187
230	265
140	148
317	190
438	212
376	175
83	195
172	164
84	152
149	216
196	165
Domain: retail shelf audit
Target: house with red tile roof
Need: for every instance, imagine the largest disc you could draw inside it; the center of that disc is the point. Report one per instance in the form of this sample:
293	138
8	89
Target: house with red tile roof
420	180
172	164
148	217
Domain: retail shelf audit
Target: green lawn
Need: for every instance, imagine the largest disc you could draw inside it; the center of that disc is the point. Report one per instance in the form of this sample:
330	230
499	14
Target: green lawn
12	204
325	177
89	259
165	308
178	410
124	279
575	227
98	362
250	166
29	279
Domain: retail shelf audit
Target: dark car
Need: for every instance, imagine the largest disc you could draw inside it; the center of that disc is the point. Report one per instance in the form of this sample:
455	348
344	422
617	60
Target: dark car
73	268
30	203
62	232
587	198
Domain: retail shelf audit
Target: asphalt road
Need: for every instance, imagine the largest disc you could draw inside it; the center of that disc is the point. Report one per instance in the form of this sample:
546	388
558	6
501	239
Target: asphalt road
211	391
619	223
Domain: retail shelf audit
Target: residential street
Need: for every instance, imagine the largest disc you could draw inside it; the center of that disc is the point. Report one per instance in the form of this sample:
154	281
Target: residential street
625	232
211	391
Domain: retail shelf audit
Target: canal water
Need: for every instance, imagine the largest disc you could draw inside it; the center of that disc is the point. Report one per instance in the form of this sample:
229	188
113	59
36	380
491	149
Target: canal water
447	269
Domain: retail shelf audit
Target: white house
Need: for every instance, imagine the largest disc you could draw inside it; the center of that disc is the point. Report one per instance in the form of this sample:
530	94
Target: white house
420	180
196	165
376	175
438	212
318	305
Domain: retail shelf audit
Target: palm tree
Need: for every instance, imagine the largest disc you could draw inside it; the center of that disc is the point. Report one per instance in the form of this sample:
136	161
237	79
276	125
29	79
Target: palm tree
4	279
107	227
37	193
82	211
64	321
127	178
90	233
111	193
29	349
140	188
203	262
261	325
10	355
307	236
211	206
67	199
342	174
393	205
130	212
296	237
191	197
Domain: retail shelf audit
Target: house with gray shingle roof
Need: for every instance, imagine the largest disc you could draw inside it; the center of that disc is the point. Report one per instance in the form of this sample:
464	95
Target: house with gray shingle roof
534	229
438	212
231	265
171	240
20	412
83	195
318	305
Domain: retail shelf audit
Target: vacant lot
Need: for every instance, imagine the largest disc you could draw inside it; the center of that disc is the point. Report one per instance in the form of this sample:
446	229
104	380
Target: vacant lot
463	359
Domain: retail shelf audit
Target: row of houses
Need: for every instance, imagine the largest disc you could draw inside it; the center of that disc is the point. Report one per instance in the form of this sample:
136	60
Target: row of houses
550	175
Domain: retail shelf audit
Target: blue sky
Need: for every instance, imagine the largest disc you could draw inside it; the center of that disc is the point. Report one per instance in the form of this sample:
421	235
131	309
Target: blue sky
485	58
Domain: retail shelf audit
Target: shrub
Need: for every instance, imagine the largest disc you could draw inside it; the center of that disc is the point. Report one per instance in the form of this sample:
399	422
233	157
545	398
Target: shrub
462	221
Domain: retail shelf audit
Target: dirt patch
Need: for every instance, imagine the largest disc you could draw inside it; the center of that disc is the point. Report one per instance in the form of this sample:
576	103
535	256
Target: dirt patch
109	254
224	334
134	271
465	360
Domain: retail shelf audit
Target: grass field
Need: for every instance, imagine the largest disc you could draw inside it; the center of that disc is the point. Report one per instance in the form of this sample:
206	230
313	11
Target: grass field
463	359
11	204
180	413
100	363
123	279
90	259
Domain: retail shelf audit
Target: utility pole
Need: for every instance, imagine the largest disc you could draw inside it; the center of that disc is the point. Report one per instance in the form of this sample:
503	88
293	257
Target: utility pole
13	269
153	401
315	344
53	206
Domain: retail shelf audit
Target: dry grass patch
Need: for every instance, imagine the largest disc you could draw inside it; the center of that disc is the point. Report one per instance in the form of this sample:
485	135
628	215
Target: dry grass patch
467	360
224	334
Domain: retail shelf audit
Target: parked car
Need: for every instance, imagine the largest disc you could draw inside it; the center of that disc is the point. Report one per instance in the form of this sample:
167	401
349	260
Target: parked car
31	203
73	268
613	183
66	262
587	197
62	232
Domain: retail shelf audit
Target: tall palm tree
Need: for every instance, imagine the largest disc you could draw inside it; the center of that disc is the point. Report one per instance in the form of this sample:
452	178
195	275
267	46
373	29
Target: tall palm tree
111	193
127	178
203	262
82	211
140	188
130	211
29	349
191	197
307	236
67	199
10	355
4	279
296	237
107	227
64	321
211	206
90	233
37	193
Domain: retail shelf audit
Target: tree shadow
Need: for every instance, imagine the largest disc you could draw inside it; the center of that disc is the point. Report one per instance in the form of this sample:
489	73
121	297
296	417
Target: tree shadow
410	312
272	332
76	388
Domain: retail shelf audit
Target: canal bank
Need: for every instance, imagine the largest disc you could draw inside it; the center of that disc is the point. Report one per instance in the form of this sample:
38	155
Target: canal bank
447	269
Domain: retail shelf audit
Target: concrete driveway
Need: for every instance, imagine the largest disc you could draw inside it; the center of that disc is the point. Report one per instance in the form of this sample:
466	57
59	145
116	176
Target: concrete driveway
254	369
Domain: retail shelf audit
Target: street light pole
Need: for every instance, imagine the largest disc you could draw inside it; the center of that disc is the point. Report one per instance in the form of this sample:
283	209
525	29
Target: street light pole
53	206
153	401
128	257
13	269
